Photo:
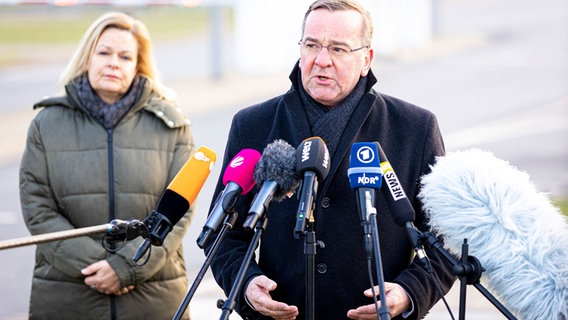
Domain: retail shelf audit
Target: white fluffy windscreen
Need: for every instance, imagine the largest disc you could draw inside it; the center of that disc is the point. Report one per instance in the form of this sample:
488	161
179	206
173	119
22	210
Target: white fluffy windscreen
519	236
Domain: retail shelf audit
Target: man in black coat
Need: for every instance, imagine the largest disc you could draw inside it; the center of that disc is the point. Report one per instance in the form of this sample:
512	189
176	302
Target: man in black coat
332	97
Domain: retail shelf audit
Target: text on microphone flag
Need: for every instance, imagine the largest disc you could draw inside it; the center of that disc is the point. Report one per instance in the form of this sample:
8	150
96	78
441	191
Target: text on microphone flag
306	151
391	180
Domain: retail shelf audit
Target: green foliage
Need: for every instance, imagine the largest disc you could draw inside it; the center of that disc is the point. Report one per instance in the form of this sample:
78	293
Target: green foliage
563	205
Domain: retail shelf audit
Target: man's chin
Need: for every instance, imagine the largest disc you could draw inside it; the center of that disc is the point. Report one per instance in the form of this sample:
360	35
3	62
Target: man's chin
324	97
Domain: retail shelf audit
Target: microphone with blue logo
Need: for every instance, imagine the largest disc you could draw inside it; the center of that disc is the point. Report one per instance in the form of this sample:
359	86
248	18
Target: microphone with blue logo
365	177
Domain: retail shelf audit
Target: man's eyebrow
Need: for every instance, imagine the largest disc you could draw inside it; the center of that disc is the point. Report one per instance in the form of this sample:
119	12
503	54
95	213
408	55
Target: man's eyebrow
335	42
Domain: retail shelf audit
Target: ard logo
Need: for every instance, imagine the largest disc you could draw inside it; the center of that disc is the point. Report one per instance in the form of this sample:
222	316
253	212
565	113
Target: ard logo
365	154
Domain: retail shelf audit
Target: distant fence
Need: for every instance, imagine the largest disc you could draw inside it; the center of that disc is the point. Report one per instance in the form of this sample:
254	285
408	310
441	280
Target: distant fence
185	3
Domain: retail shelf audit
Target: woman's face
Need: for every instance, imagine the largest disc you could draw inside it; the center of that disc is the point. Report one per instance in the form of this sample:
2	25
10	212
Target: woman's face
113	64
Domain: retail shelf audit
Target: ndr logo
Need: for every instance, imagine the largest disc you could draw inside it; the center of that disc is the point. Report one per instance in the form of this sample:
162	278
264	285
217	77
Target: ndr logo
372	180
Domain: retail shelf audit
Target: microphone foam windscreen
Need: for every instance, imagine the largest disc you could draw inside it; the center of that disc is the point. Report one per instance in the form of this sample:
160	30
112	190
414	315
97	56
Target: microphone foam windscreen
241	169
184	187
519	236
277	164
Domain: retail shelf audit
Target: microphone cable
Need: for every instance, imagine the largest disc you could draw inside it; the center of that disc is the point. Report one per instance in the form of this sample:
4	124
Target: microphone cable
370	272
113	239
435	279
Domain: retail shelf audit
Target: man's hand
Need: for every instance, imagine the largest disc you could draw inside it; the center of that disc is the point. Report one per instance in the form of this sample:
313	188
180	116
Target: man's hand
258	295
396	298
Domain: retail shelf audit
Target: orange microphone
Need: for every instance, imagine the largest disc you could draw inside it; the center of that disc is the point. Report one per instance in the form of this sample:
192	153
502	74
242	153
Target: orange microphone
177	199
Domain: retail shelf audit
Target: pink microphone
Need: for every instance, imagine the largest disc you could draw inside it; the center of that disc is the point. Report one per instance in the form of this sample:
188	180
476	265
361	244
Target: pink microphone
238	180
241	170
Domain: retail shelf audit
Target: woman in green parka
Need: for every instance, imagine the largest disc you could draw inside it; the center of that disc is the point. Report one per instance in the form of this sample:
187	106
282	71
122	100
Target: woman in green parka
106	149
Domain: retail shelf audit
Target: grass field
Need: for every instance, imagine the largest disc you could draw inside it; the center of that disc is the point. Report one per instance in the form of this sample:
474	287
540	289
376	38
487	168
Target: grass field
25	28
60	25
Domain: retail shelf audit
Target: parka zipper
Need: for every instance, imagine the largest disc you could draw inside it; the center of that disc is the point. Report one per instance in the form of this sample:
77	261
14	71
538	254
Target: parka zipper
110	160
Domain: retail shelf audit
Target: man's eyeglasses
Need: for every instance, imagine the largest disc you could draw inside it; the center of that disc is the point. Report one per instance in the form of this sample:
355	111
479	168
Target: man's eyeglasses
311	48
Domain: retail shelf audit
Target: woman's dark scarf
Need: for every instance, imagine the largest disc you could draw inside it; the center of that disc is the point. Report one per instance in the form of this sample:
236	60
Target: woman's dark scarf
108	115
327	123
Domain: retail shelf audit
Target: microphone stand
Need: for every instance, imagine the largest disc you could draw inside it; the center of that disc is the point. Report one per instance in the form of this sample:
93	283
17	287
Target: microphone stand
227	225
310	248
53	236
310	243
229	305
384	312
469	270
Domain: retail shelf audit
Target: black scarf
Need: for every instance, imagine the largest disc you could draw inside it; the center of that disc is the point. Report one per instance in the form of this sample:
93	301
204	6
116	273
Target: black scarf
108	115
330	124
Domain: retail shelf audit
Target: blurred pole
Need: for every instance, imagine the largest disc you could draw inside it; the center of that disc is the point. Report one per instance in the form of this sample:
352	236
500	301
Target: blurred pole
435	18
216	26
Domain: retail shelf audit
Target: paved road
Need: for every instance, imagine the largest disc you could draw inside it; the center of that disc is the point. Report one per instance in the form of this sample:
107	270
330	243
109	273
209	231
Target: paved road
497	77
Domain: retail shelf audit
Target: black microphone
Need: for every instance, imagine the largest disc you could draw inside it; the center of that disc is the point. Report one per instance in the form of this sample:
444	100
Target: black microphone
238	180
123	230
312	161
514	230
177	199
275	172
365	177
402	211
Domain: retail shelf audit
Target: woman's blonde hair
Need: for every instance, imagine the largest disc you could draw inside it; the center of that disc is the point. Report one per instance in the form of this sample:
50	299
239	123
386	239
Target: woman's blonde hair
146	64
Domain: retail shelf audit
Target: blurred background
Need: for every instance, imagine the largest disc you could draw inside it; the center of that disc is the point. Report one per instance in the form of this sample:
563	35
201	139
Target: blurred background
495	72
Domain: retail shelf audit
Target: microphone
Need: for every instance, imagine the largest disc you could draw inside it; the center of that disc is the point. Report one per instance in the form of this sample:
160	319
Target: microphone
177	198
122	230
364	173
312	161
275	172
365	177
238	179
520	237
402	211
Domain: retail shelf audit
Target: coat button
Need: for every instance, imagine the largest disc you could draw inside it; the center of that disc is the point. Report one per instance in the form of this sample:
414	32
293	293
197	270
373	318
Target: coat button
325	202
322	268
